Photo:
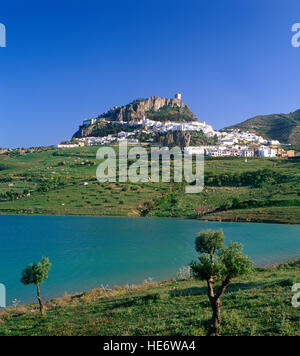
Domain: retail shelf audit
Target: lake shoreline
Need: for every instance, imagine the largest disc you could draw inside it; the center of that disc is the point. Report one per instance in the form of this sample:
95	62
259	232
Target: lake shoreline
204	219
125	250
128	286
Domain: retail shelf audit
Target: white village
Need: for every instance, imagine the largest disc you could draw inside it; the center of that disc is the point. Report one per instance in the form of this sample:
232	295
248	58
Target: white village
230	143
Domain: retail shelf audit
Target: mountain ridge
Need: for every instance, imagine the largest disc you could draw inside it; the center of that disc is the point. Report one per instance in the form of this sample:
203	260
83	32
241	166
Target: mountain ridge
282	127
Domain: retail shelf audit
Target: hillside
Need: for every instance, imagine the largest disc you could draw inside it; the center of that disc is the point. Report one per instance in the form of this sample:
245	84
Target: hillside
52	182
154	108
282	127
257	305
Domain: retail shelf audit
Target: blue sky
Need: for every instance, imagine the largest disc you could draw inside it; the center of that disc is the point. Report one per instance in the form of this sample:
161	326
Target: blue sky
67	61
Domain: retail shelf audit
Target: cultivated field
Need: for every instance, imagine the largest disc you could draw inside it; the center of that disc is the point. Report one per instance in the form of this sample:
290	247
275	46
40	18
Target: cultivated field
63	182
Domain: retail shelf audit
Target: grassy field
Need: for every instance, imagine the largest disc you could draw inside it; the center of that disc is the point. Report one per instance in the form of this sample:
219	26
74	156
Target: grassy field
53	182
63	182
257	305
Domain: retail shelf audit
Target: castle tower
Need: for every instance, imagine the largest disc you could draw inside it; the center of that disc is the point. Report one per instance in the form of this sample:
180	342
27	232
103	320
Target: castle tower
177	96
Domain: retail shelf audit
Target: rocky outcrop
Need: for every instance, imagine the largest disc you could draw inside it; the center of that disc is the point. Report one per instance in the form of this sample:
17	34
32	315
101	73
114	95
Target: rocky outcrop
89	130
138	109
154	108
176	138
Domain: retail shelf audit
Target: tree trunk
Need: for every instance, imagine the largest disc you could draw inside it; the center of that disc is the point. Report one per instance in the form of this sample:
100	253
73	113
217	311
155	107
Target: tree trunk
40	300
216	318
216	304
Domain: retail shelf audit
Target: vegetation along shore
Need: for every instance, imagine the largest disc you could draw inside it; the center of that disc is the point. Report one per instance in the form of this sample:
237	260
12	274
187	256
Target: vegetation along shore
256	304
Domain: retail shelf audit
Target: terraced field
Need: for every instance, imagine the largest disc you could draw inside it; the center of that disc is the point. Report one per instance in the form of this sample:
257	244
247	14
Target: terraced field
63	182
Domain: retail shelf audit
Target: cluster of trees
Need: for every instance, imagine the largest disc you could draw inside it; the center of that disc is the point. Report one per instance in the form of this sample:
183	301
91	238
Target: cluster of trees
168	113
254	203
146	207
166	203
2	167
250	178
199	139
6	179
9	195
56	182
110	129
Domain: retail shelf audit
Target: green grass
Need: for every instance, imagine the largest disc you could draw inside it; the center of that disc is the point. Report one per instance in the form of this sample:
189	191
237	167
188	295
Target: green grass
256	305
55	179
259	304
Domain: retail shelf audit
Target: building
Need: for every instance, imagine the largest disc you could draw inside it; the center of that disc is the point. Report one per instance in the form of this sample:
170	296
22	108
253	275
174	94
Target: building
290	153
194	150
266	152
68	145
227	141
249	153
274	142
177	96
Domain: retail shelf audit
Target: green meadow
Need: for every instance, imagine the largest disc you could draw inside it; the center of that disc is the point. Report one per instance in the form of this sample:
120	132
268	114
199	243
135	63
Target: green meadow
51	181
257	305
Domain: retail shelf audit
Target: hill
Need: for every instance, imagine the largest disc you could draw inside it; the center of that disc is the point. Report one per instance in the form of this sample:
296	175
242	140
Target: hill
282	127
154	108
257	305
53	182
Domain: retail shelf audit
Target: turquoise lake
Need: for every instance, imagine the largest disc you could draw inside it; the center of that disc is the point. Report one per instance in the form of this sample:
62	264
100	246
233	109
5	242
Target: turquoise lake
88	252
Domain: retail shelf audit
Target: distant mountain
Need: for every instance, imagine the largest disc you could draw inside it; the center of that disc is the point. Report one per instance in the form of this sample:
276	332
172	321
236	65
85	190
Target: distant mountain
154	108
282	127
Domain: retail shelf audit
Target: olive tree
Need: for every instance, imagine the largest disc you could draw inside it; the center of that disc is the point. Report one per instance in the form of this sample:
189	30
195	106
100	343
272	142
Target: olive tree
218	264
36	274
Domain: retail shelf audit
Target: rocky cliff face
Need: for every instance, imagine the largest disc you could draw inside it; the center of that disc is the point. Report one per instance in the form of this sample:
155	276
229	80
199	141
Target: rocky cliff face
154	108
177	138
138	109
90	130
